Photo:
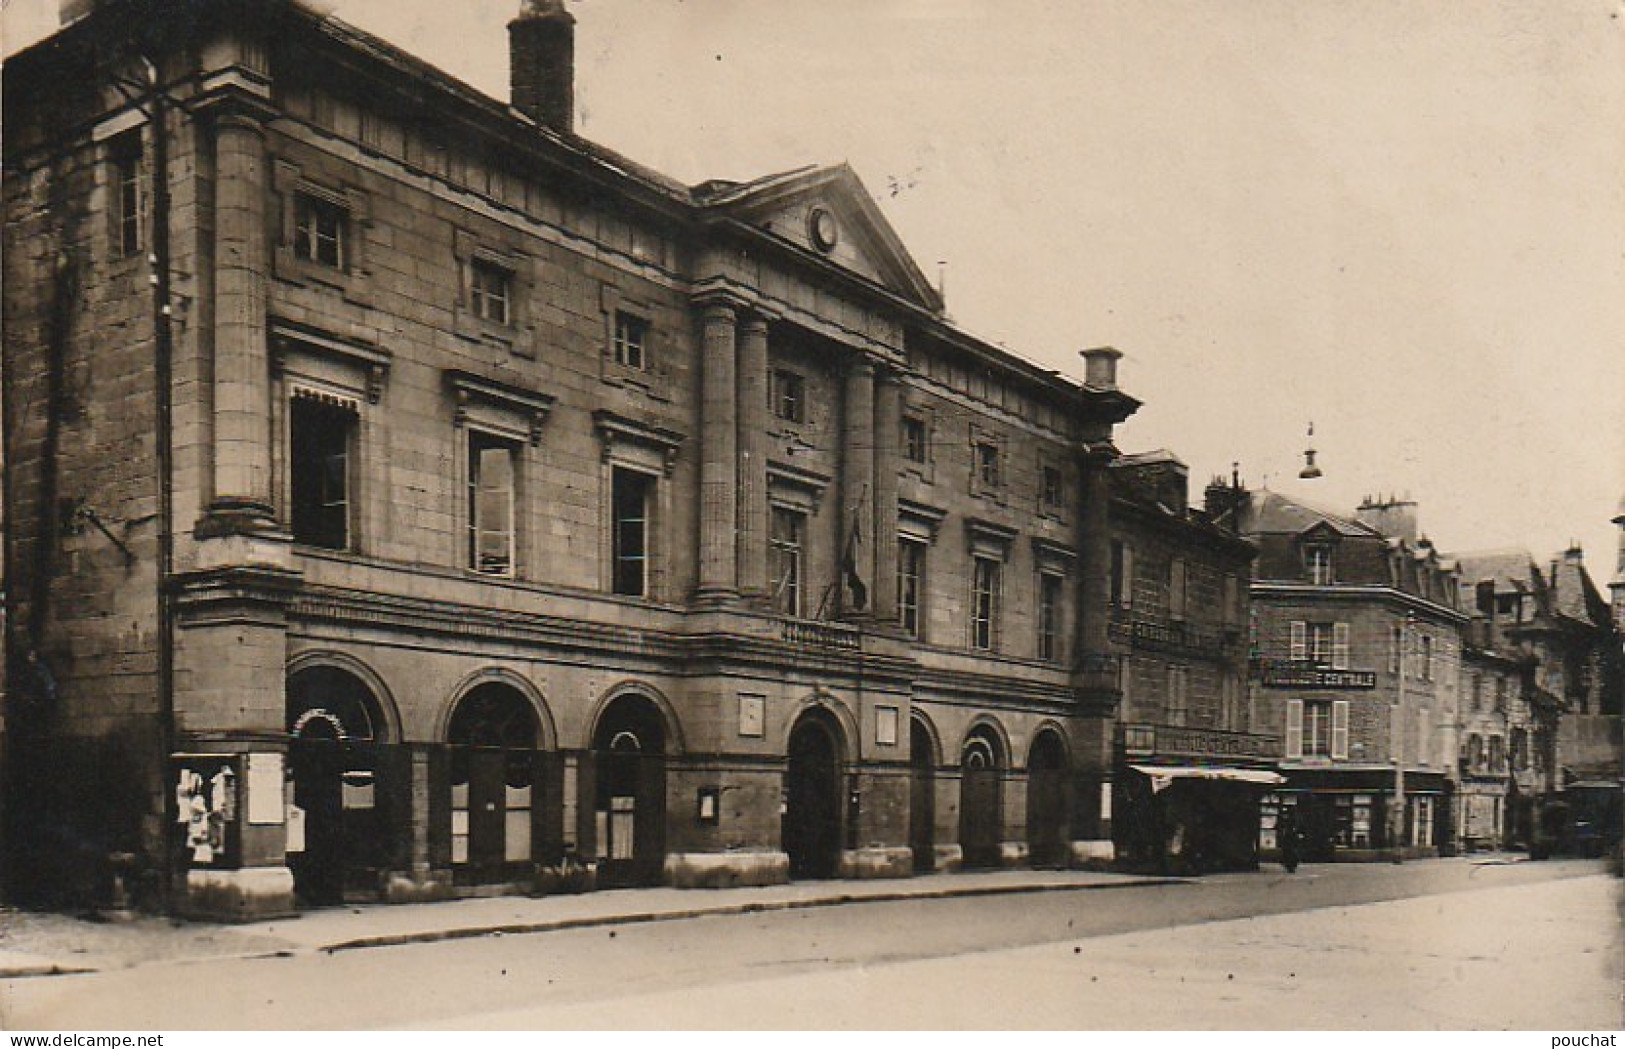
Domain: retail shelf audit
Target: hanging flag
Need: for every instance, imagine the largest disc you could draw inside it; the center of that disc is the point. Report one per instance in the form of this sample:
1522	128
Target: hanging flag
849	557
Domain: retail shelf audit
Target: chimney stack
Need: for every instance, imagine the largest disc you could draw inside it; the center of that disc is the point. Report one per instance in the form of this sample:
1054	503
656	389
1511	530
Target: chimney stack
541	64
1395	518
1100	367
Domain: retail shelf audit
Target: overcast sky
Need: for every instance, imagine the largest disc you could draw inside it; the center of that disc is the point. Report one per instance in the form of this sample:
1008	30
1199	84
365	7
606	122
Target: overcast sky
1401	219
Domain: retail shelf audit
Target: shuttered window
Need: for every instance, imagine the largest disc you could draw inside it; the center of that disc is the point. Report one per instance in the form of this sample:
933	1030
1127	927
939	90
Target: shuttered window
1294	728
1340	646
1340	729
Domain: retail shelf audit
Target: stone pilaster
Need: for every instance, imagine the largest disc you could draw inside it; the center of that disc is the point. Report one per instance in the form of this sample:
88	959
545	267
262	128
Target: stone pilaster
719	453
888	427
753	579
858	490
1094	541
242	382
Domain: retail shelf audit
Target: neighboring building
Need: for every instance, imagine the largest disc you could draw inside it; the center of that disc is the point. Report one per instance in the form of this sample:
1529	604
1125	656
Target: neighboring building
410	498
1357	654
1192	767
1552	622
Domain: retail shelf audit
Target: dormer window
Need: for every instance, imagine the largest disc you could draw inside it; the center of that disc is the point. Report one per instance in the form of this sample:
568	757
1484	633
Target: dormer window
1318	561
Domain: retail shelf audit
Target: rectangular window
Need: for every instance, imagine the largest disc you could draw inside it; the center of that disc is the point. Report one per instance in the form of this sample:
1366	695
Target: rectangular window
1049	616
1176	588
1231	612
1426	670
788	394
126	159
789	529
631	340
490	291
492	477
987	465
629	508
1323	644
1051	495
1424	736
1317	729
984	602
914	439
320	436
1478	692
910	577
1319	559
1500	695
1179	679
1396	650
318	230
1122	574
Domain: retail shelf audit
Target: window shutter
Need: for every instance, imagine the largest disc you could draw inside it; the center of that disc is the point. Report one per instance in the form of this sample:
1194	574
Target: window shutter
1340	646
1294	728
1300	641
1340	728
1424	737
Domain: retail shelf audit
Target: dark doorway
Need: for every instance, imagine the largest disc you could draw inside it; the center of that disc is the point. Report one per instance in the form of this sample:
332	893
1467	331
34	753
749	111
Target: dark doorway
494	735
981	826
812	813
629	793
922	796
1047	825
337	835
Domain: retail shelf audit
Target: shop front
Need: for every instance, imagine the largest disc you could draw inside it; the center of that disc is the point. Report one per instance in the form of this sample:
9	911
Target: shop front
1190	819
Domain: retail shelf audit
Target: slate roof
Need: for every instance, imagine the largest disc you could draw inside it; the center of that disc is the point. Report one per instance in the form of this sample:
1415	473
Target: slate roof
1273	513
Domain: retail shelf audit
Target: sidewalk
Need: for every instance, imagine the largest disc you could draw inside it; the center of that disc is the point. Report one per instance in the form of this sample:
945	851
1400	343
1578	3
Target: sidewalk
39	944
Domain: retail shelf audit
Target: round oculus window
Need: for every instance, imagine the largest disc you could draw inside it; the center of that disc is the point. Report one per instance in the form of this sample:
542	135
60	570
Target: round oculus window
821	226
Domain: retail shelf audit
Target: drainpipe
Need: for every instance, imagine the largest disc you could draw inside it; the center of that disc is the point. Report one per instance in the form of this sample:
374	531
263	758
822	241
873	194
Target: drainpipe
163	349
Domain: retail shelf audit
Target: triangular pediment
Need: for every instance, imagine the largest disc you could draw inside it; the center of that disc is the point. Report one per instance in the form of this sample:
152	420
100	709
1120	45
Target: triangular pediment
827	213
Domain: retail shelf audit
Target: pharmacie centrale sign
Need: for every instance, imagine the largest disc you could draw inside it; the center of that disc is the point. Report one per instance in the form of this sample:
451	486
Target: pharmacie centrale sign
1317	677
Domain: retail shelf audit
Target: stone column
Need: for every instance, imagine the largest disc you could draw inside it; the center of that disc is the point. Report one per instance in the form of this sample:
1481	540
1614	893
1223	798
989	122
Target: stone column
858	490
753	365
888	427
719	458
242	378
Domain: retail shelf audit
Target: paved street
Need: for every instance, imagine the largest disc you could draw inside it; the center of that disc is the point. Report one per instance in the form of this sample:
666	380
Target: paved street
1442	944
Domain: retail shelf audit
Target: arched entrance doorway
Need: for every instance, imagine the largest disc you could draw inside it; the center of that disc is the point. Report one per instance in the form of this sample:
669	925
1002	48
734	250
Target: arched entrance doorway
496	781
811	829
338	829
629	793
922	795
1047	833
981	826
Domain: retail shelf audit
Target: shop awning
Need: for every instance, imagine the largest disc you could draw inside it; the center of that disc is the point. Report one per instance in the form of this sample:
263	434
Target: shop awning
1164	775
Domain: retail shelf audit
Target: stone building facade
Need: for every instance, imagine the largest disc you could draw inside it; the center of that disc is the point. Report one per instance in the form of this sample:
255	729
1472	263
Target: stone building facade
1192	766
1555	711
409	497
1357	657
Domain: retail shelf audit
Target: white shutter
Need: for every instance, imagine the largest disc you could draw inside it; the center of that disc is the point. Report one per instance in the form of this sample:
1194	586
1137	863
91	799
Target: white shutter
1300	641
1340	729
1340	646
1294	728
